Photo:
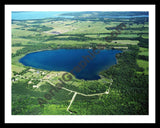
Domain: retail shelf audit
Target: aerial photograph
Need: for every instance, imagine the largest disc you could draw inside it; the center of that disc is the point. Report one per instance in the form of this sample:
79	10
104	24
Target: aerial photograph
80	62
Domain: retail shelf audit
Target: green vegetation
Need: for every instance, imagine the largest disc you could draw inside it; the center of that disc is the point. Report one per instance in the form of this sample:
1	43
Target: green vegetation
131	86
126	81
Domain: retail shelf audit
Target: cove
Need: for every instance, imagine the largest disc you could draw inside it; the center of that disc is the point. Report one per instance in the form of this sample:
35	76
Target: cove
67	59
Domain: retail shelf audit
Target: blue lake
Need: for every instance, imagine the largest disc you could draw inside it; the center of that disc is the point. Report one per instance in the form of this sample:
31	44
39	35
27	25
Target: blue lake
31	15
88	62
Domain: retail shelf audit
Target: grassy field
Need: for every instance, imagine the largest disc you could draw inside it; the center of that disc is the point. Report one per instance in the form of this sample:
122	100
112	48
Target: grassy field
144	64
143	51
14	49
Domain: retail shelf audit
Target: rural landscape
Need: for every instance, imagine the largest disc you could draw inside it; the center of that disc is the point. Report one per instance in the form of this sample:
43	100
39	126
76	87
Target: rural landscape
119	89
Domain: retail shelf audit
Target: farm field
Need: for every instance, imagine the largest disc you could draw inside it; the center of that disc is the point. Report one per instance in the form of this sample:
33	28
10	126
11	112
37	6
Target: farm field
121	90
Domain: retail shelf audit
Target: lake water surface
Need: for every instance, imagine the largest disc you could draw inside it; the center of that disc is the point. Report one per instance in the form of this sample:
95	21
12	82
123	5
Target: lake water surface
31	15
67	59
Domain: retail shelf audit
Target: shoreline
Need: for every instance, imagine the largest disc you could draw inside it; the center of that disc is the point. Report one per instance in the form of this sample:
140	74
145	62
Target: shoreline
98	73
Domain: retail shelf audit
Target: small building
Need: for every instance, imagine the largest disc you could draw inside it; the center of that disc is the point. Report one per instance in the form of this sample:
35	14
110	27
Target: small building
29	82
32	70
35	86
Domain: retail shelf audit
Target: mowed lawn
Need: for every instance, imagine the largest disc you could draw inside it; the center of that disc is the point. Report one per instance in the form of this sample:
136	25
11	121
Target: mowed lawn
143	51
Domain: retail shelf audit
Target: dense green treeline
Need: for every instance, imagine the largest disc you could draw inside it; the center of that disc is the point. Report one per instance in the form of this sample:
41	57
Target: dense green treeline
143	57
38	28
78	37
132	85
42	46
30	48
29	101
143	42
129	28
24	100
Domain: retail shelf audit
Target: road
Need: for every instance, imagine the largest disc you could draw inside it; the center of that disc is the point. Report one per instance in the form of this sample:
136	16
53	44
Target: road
75	93
71	102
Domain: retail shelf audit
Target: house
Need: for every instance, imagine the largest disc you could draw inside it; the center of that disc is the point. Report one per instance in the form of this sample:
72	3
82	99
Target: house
35	86
29	82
